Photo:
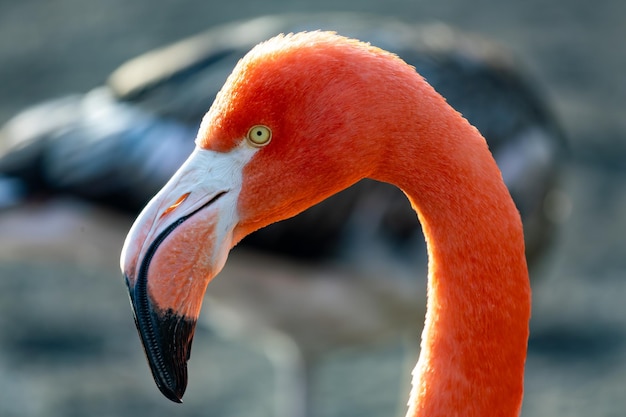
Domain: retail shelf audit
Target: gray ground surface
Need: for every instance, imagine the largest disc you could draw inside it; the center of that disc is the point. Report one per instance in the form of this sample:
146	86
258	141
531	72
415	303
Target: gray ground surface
67	342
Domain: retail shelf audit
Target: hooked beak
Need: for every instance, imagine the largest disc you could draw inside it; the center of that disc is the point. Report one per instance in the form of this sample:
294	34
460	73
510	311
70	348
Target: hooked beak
166	335
176	246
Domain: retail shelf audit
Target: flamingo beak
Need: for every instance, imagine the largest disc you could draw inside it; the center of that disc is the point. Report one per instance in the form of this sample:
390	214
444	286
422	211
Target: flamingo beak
155	328
176	246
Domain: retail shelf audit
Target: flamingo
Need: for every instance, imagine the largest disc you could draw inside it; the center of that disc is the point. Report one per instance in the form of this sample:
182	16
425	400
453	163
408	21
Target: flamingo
301	117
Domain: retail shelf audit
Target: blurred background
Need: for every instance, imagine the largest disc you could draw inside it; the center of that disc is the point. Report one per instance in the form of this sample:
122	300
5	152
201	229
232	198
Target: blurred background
68	346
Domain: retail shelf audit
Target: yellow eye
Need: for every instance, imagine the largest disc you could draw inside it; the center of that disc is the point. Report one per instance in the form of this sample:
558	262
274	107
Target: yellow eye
259	135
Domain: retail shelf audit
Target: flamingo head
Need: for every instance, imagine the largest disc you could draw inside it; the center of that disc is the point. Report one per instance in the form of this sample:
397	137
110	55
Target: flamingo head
286	131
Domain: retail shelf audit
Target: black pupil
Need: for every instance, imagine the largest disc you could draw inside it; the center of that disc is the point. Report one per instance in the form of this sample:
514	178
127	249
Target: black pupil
259	133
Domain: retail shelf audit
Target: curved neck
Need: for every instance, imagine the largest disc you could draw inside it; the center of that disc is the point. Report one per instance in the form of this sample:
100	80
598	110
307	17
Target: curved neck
476	329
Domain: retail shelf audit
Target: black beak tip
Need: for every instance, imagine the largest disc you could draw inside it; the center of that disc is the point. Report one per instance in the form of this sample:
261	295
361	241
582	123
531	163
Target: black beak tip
166	338
174	394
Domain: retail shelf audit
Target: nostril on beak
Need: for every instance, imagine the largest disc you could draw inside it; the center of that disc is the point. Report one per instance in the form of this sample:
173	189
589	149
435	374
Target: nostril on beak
173	207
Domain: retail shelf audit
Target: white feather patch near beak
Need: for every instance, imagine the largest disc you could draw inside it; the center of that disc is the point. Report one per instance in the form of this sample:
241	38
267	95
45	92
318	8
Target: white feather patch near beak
204	176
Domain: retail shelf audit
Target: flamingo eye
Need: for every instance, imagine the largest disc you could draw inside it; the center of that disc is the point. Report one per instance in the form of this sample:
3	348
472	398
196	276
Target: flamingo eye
259	135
